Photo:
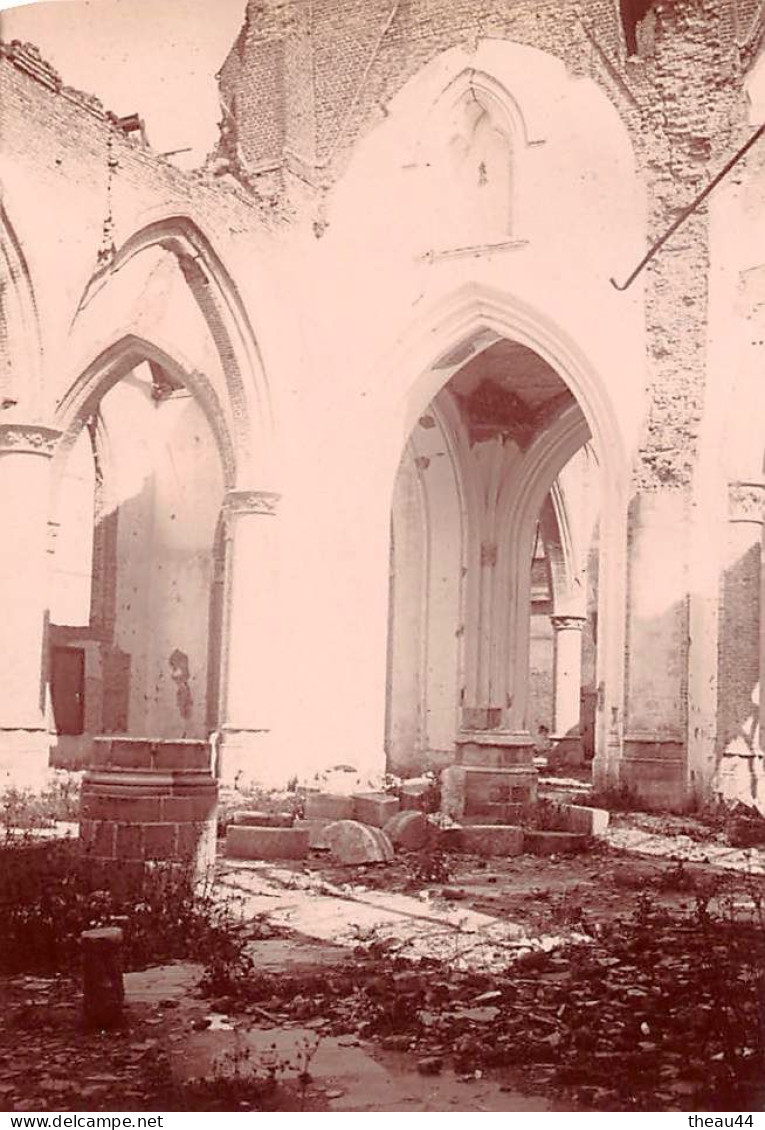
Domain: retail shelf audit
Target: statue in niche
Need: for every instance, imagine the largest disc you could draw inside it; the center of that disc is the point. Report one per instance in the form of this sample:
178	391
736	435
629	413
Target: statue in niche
476	190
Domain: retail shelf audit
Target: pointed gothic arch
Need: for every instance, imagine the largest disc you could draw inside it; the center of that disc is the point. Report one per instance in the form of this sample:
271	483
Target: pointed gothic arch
216	295
20	336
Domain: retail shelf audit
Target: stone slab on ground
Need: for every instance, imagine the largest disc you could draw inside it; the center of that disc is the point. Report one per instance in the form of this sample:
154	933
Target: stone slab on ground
355	1075
328	806
350	842
375	809
307	904
264	819
247	842
491	839
174	981
553	843
749	860
408	830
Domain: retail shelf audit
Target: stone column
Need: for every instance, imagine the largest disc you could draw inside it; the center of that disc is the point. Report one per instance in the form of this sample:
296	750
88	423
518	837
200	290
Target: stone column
740	643
480	710
250	646
25	454
568	687
654	762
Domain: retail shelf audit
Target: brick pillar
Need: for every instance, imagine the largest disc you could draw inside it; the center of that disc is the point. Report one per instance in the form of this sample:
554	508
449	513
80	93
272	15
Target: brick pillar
25	453
146	800
568	686
740	770
250	635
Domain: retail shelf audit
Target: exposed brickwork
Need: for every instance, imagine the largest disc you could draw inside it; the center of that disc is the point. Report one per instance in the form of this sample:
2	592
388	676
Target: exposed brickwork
691	124
347	58
302	89
680	96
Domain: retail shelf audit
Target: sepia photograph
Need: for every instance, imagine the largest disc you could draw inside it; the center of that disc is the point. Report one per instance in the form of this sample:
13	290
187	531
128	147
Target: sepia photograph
382	608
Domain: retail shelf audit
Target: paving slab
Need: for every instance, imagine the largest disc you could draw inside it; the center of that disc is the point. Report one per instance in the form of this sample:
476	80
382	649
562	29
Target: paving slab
352	914
350	1073
748	860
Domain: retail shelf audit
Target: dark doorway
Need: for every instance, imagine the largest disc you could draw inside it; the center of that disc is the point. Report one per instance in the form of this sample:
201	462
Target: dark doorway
67	688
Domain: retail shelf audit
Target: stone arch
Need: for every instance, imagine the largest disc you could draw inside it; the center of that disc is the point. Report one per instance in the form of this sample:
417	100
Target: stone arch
539	471
492	95
132	619
429	662
465	323
558	543
20	336
220	304
81	398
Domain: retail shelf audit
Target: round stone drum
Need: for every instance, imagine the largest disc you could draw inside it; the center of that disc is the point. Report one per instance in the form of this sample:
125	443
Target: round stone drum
149	800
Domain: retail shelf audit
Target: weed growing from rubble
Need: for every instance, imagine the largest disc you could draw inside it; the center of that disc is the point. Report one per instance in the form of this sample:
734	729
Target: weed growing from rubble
660	1009
246	1077
25	810
51	890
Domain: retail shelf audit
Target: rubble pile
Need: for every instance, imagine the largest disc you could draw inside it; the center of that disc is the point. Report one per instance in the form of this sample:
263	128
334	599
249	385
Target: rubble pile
660	1011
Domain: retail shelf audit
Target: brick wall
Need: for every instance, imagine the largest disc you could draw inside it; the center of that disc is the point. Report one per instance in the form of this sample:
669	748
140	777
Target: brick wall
681	97
74	185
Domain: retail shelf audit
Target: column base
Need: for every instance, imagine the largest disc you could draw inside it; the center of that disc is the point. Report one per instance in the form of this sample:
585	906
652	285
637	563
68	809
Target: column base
494	776
654	768
149	800
24	759
500	749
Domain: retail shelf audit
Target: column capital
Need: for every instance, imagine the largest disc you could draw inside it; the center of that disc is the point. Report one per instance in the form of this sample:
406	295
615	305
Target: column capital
568	623
250	502
28	439
746	502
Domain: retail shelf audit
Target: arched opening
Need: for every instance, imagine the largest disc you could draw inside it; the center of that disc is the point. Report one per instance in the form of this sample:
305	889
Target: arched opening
212	289
494	577
472	147
137	567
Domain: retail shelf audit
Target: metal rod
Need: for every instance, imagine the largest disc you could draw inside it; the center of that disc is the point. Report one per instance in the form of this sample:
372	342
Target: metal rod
690	209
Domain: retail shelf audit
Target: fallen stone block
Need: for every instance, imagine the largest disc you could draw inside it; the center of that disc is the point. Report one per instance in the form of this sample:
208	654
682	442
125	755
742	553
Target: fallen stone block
491	839
553	843
351	842
407	830
414	793
375	809
265	819
244	841
316	826
585	821
328	806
